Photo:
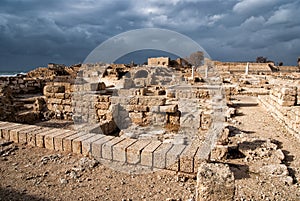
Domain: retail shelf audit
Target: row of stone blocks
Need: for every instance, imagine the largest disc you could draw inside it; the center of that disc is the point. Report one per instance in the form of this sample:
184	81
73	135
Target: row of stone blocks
148	153
289	117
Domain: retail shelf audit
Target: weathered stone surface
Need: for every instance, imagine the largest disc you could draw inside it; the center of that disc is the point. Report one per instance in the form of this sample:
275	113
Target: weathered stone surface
49	138
219	152
215	181
87	143
58	140
23	134
107	147
67	142
147	153
134	151
97	146
172	157
159	155
14	133
40	137
119	150
187	159
77	143
31	136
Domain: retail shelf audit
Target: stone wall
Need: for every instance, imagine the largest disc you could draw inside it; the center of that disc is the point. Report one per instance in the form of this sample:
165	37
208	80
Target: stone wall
159	61
240	67
20	98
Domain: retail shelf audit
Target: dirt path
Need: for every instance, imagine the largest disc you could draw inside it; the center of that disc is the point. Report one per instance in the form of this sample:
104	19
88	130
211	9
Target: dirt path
257	122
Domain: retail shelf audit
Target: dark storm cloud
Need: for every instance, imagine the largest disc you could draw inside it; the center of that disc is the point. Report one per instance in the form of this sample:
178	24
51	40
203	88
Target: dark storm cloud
34	32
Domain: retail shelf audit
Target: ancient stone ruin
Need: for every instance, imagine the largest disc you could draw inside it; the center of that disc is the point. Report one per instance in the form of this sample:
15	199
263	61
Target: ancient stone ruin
156	116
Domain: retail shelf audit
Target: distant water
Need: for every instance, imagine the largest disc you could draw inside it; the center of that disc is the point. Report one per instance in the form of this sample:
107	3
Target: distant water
10	73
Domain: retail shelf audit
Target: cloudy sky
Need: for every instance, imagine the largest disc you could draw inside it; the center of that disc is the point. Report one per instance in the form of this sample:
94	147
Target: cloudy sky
35	32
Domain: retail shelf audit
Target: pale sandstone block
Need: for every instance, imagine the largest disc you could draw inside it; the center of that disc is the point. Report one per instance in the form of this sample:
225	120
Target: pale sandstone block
134	151
87	143
172	157
58	140
147	153
119	150
77	143
97	146
108	146
159	155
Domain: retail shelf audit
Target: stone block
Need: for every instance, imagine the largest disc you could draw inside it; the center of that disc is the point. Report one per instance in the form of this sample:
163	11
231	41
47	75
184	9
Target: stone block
31	136
152	101
14	133
215	181
39	138
58	140
97	146
107	147
172	157
23	134
77	143
87	143
102	105
49	137
67	142
168	108
6	129
137	108
219	152
134	151
186	159
147	153
159	155
59	95
119	150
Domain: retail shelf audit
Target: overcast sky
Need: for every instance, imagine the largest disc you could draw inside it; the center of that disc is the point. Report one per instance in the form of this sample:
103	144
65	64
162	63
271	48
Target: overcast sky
35	32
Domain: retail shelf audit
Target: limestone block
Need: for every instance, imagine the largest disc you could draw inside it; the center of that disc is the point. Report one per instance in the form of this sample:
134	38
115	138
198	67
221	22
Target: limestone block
14	133
147	153
159	155
48	137
23	134
119	150
136	117
137	108
152	101
97	146
219	152
87	143
59	95
67	142
58	140
215	181
134	151
107	148
168	108
102	105
172	157
40	136
77	143
187	159
54	101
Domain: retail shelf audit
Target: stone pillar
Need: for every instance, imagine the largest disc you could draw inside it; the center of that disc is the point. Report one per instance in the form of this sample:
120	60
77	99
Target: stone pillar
215	181
247	69
193	69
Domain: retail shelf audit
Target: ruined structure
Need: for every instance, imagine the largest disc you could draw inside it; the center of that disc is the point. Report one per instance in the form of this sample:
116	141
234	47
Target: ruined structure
157	116
159	61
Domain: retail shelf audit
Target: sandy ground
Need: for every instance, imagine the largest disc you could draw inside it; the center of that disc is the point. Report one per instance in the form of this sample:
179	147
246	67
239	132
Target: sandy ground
31	173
